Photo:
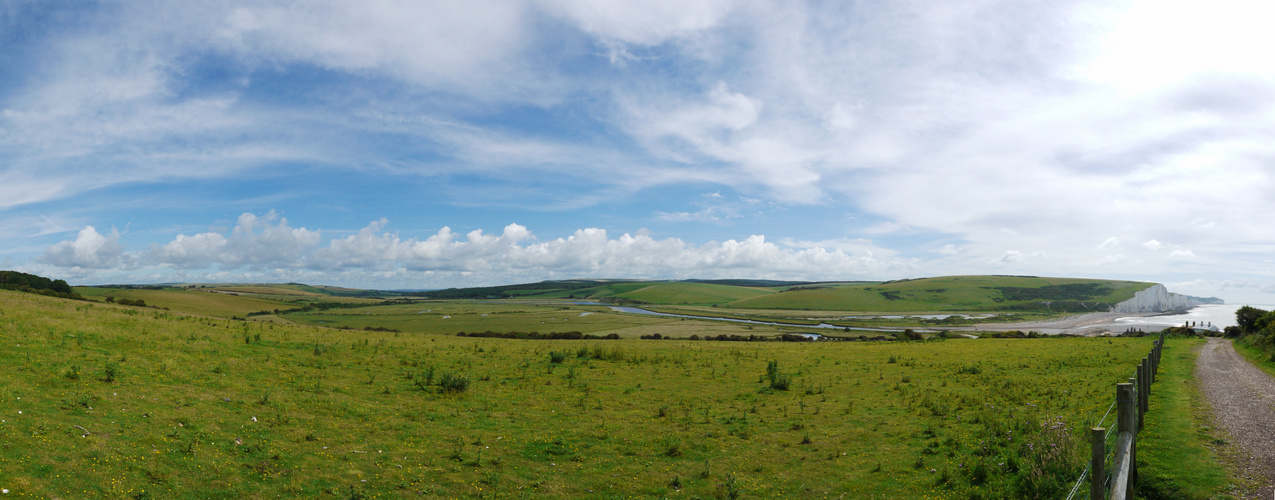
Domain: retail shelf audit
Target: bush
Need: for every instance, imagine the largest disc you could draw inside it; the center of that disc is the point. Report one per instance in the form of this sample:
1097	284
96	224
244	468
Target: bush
781	382
970	370
110	372
778	381
453	384
556	357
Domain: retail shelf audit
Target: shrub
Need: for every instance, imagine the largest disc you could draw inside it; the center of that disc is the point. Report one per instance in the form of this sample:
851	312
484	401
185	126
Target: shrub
781	382
453	384
778	381
556	357
110	372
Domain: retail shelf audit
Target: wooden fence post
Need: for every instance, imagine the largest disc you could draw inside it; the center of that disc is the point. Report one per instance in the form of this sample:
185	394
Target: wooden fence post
1155	360
1135	423
1097	463
1142	384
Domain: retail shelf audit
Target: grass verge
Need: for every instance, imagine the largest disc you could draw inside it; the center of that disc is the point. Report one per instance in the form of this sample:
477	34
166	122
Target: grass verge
1255	355
1179	450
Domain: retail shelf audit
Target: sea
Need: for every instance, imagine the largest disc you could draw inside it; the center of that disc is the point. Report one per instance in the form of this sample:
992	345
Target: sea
1218	315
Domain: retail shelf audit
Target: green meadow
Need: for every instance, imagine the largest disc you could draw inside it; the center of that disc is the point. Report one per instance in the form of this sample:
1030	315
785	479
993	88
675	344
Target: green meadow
107	401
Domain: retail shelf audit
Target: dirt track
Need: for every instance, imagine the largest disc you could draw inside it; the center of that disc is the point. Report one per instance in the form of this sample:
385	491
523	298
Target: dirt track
1243	400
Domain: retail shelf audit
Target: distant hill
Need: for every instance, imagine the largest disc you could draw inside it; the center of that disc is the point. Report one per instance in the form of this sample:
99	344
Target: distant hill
698	292
949	293
955	293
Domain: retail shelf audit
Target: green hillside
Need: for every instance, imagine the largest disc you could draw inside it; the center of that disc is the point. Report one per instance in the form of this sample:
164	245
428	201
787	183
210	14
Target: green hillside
694	293
953	293
207	303
218	300
664	292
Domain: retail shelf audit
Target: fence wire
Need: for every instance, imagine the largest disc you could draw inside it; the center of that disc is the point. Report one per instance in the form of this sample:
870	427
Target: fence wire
1108	446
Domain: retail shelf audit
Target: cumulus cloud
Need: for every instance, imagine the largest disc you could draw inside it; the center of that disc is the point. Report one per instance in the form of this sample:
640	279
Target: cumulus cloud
89	250
1152	245
589	252
256	241
267	246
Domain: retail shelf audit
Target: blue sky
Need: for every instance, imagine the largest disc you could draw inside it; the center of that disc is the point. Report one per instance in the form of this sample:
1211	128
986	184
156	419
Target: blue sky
418	144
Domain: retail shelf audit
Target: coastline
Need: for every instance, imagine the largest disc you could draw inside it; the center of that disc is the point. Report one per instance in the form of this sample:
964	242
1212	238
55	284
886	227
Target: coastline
1089	324
1219	316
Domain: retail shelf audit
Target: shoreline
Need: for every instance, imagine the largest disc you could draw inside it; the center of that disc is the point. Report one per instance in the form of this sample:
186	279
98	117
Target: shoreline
1088	324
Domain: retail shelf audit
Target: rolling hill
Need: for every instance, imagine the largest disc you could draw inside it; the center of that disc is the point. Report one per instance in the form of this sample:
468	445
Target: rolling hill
953	293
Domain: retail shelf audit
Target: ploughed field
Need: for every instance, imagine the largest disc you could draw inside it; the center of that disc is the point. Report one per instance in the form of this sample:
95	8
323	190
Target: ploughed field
101	400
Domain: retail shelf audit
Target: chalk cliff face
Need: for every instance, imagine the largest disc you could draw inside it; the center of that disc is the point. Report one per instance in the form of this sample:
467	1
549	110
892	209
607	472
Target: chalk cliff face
1155	299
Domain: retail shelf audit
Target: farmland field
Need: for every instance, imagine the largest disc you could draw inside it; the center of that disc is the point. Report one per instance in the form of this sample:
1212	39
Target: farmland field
101	400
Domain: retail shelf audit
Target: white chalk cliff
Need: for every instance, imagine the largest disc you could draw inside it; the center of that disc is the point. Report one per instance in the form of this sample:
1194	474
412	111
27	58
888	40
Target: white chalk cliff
1155	299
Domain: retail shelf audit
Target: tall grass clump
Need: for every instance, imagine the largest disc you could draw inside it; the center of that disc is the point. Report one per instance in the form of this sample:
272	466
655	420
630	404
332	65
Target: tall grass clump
453	384
778	380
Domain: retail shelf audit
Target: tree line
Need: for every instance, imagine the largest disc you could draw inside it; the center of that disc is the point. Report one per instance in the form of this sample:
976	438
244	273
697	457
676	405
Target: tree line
1254	327
30	283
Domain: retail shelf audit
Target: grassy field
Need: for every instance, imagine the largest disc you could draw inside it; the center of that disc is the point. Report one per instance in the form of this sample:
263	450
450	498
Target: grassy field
107	401
222	301
693	293
206	303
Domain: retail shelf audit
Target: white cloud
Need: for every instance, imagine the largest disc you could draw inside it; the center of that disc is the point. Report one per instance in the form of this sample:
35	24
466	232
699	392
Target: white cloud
1010	256
949	249
589	252
1000	125
267	247
253	242
438	44
89	250
642	23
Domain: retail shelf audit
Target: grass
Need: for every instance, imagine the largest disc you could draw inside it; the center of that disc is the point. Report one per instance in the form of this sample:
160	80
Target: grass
1260	358
450	317
1179	455
220	301
189	301
186	407
693	293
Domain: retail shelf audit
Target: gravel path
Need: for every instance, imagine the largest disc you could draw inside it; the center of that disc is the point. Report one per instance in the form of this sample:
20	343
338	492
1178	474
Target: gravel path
1243	400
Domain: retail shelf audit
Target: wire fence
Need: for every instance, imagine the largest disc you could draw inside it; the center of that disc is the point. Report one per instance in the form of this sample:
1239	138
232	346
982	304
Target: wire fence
1128	418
